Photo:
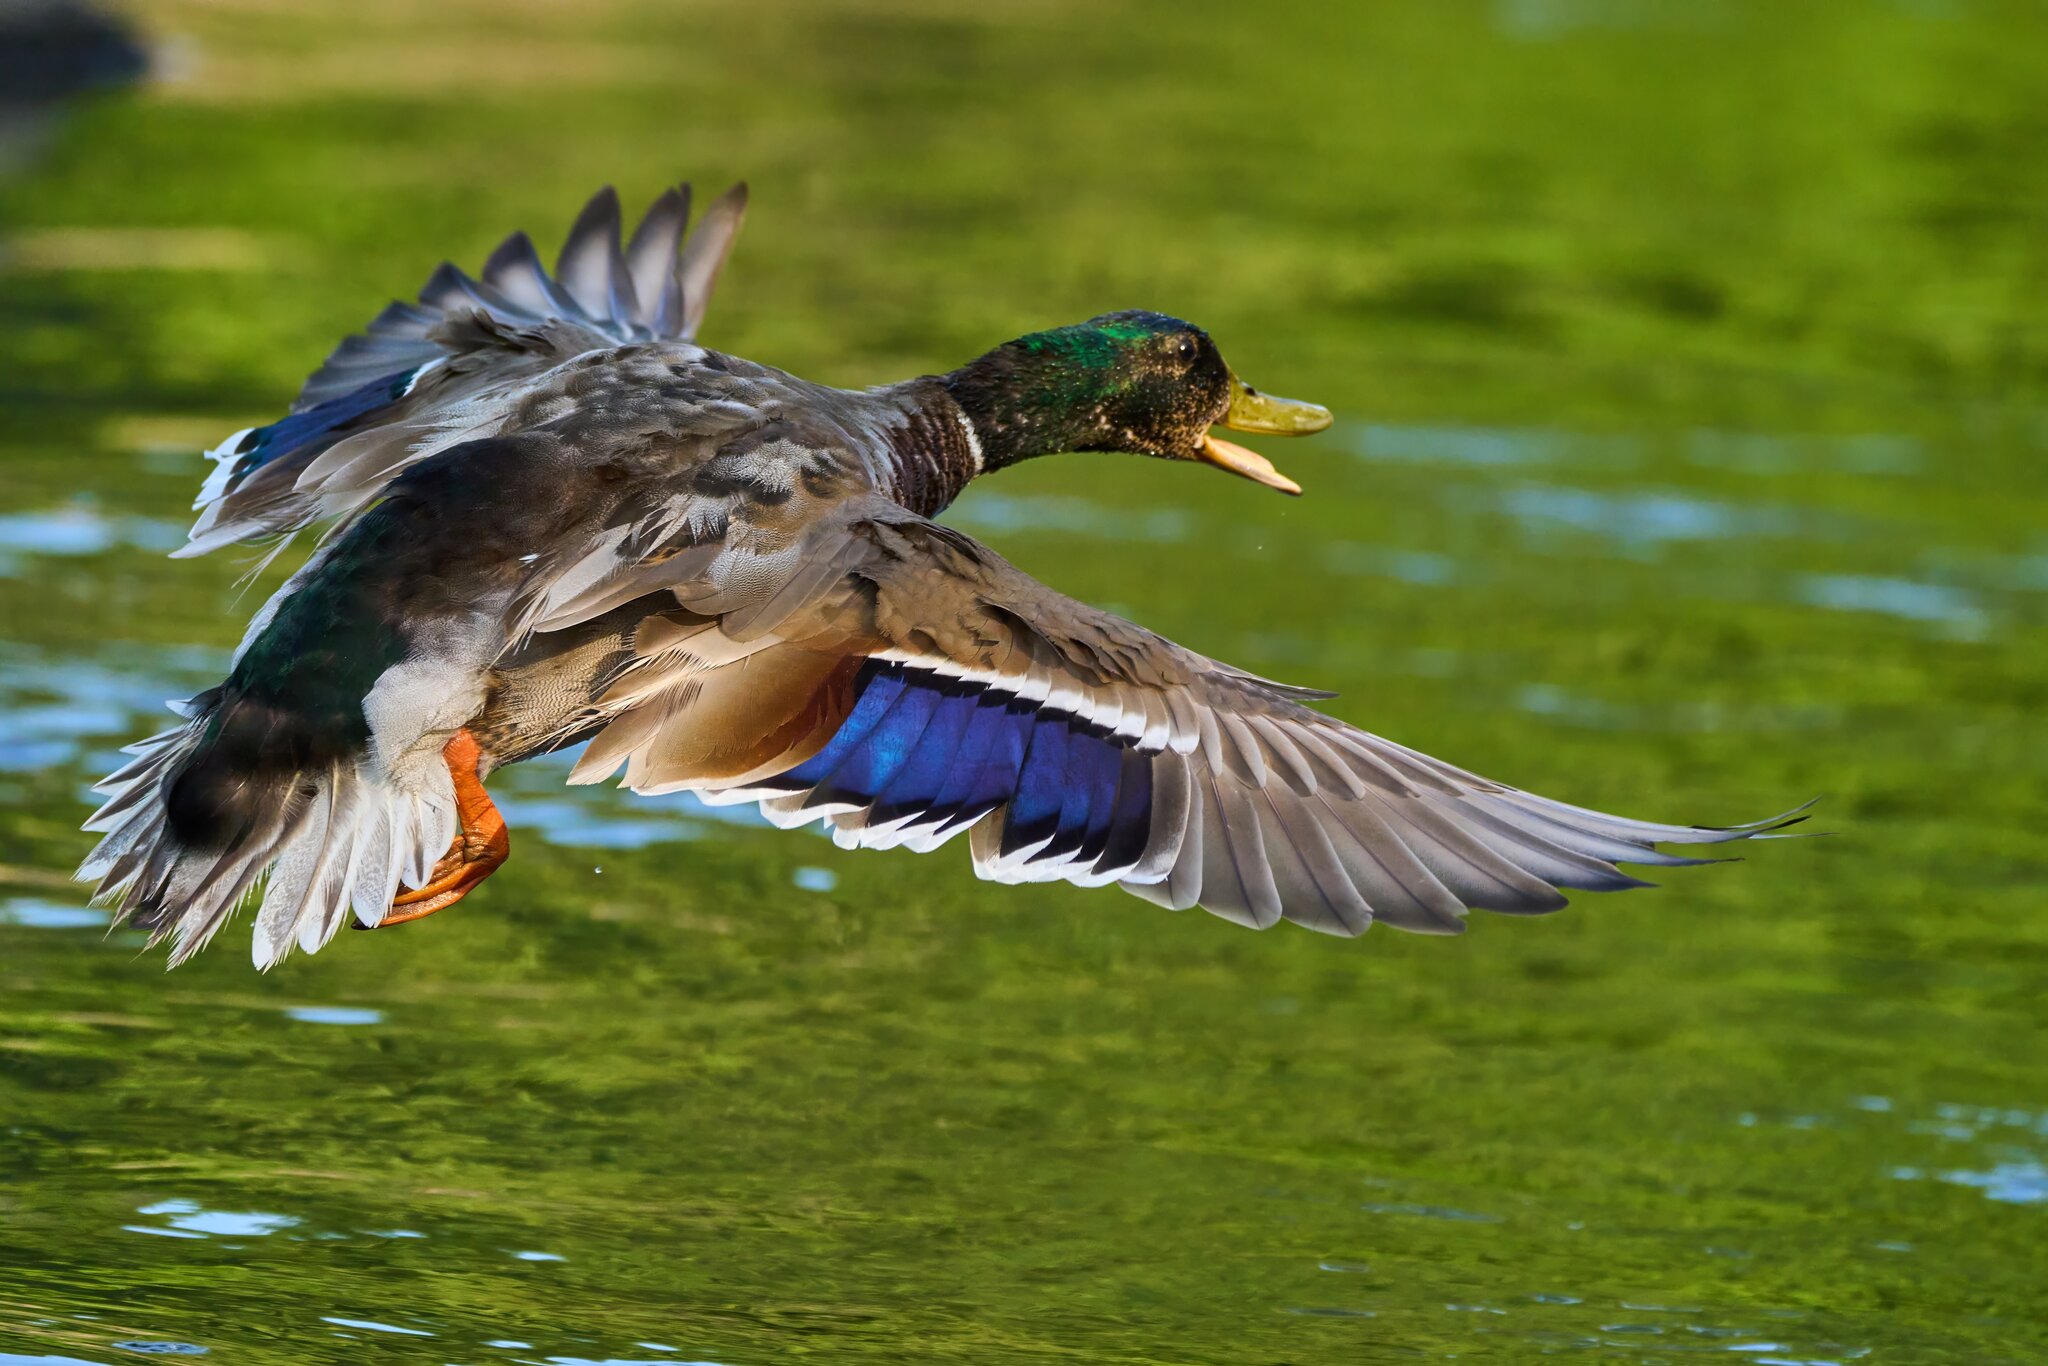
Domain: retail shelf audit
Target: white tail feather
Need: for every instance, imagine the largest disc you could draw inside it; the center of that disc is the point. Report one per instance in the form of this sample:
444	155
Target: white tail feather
340	855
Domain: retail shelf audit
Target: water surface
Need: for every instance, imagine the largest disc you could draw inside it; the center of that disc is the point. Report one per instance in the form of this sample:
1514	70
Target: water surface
1691	365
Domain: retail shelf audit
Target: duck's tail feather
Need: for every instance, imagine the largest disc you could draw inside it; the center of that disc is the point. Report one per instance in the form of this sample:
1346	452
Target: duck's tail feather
196	821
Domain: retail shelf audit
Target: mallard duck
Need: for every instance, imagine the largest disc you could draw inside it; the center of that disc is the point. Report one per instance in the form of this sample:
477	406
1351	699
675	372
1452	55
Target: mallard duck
559	519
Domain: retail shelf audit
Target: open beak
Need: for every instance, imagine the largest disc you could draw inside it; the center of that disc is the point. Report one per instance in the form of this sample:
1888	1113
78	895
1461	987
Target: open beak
1252	411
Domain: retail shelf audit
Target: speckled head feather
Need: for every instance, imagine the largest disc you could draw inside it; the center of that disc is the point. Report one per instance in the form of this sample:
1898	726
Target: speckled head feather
1132	381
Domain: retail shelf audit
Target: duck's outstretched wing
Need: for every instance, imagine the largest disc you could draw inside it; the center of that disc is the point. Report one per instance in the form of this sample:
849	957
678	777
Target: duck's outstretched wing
903	683
457	365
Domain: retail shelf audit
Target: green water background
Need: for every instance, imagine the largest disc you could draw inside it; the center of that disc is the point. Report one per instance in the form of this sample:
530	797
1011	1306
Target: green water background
1691	366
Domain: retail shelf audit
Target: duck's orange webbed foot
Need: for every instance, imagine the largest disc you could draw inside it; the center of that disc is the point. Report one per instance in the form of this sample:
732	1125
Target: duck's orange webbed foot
481	844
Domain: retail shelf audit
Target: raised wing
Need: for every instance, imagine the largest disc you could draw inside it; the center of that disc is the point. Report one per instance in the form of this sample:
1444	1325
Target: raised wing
903	683
464	362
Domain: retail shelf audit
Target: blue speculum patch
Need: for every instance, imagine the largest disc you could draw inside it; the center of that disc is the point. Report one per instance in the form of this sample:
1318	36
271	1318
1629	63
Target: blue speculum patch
916	742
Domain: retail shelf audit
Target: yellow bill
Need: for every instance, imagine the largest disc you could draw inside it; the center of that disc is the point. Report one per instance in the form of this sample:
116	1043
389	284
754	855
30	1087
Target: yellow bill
1252	411
1228	455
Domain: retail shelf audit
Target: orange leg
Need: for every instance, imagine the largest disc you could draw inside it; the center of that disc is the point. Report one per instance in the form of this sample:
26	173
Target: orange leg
480	845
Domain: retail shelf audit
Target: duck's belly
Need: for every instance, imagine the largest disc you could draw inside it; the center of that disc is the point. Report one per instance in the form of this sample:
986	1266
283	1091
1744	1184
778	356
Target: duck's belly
543	696
700	718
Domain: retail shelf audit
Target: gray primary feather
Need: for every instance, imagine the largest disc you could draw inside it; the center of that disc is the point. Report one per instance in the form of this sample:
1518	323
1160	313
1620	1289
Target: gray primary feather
651	261
1288	813
464	359
596	284
704	255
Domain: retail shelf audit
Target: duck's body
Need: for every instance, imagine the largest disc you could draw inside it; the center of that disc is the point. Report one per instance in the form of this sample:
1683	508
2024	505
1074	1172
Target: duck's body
568	521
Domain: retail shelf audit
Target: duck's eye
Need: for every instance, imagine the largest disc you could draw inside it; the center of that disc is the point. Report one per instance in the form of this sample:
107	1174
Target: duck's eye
1184	350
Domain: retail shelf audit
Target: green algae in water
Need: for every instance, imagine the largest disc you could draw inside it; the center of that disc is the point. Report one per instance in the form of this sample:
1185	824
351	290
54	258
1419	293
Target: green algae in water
1690	371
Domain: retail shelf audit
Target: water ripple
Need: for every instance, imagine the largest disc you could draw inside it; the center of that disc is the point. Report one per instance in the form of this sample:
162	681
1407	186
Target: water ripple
334	1015
1488	447
166	1349
1907	599
194	1220
81	529
1645	519
372	1326
2009	1183
36	914
1001	512
1431	1212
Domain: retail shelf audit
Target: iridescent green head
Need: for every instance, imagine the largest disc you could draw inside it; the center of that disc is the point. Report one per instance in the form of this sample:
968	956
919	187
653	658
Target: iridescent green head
1133	381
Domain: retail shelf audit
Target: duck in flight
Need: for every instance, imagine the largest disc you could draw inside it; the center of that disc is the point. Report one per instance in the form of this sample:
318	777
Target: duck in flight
559	519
